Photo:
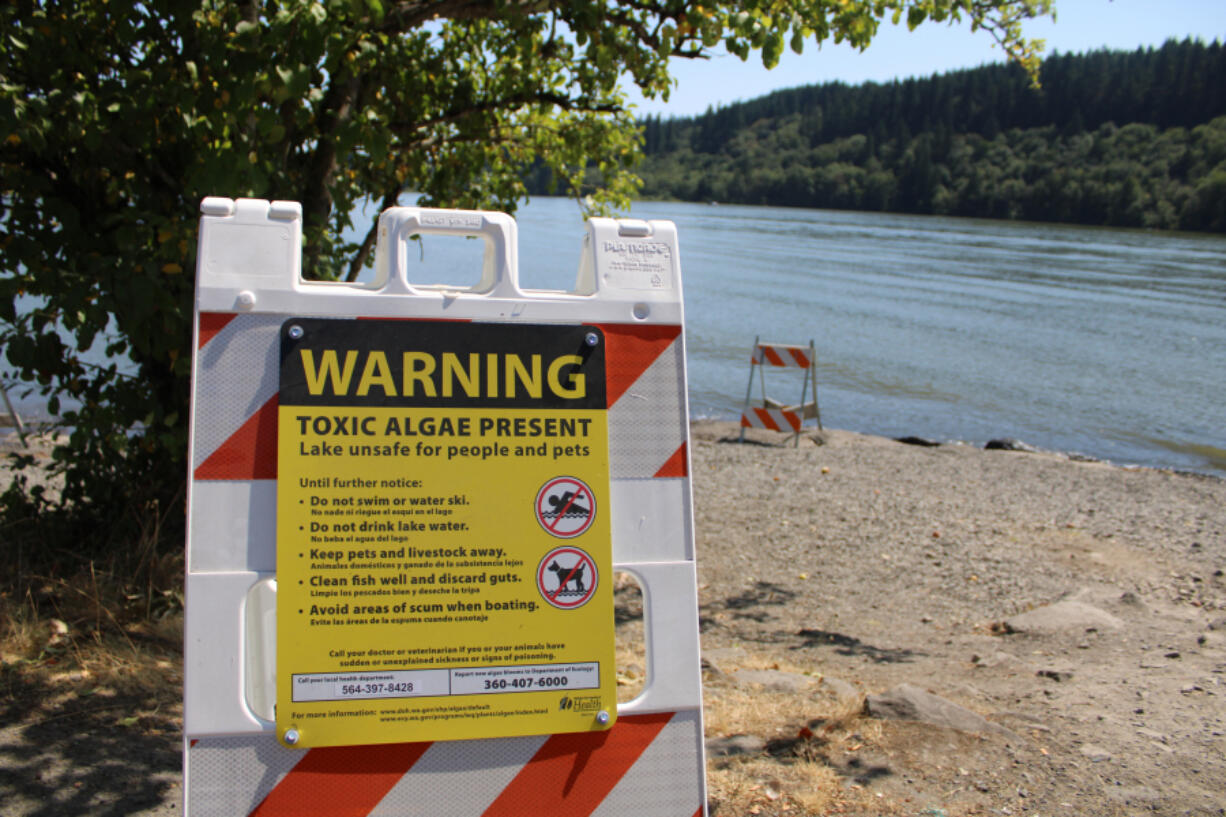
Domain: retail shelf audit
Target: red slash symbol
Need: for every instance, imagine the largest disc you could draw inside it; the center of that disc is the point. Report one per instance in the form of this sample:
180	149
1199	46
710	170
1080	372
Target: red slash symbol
565	507
575	573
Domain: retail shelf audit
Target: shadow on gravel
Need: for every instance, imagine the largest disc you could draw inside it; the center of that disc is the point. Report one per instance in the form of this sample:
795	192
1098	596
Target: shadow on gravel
860	772
67	753
748	605
814	747
762	594
849	645
748	441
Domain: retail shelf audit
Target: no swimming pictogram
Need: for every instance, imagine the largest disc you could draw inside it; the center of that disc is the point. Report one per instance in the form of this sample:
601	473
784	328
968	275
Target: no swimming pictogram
567	577
565	507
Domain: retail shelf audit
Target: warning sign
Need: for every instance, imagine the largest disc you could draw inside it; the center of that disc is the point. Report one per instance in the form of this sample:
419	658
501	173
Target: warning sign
426	471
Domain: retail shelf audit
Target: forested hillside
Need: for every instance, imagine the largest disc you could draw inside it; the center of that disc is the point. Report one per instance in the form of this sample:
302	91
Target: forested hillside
1132	139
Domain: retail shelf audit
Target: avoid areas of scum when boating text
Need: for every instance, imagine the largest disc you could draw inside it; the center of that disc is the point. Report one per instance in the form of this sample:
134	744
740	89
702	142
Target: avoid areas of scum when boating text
421	579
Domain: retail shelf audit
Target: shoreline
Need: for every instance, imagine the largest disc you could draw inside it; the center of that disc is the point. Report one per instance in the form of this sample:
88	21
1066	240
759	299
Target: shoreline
10	442
1024	447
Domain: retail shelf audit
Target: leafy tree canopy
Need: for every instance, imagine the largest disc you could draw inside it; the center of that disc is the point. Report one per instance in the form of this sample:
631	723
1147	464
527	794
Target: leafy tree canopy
118	117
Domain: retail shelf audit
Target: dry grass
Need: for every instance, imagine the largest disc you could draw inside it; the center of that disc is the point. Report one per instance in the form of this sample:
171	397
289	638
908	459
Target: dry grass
74	649
91	649
807	735
765	786
631	650
126	671
81	648
90	708
797	774
631	674
732	708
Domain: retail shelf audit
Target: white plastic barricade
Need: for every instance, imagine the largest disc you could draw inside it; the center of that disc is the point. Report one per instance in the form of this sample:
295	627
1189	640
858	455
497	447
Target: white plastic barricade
406	502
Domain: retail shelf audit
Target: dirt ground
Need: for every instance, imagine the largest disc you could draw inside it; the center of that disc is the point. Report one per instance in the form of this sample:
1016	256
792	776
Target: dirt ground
1078	608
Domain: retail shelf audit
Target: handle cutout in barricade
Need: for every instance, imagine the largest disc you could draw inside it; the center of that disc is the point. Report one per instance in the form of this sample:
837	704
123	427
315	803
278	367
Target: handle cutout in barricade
399	226
448	263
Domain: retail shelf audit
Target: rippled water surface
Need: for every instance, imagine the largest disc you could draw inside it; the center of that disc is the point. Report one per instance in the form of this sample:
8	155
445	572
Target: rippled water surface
1110	343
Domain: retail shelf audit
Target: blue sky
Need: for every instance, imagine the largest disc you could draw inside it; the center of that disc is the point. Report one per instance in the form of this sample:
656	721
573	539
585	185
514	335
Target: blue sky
896	53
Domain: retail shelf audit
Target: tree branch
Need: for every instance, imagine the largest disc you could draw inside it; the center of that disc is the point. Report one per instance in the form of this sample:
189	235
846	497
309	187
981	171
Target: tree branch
368	243
560	100
415	13
337	108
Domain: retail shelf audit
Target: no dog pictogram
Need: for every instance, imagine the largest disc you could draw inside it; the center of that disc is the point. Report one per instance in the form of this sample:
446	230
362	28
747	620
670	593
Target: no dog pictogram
567	577
565	507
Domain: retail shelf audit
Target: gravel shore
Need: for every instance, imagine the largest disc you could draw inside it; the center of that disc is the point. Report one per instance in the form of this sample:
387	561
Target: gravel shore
1067	618
878	563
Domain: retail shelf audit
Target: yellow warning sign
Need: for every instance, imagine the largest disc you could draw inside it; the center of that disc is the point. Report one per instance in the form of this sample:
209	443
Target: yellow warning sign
443	549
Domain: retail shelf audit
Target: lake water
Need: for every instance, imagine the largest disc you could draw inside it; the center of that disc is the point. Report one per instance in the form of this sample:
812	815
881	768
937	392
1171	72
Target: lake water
1110	343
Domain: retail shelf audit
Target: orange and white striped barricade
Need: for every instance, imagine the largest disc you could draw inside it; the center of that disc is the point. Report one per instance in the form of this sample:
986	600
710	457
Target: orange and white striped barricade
772	414
390	611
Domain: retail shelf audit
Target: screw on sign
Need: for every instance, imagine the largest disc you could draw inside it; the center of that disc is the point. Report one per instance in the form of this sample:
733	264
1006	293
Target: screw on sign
565	507
567	577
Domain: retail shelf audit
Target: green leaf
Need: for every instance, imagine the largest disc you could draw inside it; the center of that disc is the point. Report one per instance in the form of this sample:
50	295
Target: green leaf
772	49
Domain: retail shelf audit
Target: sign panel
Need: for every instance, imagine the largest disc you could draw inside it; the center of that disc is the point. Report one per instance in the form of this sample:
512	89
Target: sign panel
443	561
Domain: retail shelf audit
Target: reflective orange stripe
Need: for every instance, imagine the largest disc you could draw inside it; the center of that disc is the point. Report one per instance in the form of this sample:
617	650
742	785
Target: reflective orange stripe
250	452
802	360
675	466
772	356
340	781
210	324
772	419
630	350
798	354
572	773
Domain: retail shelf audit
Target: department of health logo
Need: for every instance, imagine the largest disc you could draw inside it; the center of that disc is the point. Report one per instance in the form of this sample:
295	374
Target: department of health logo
582	704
